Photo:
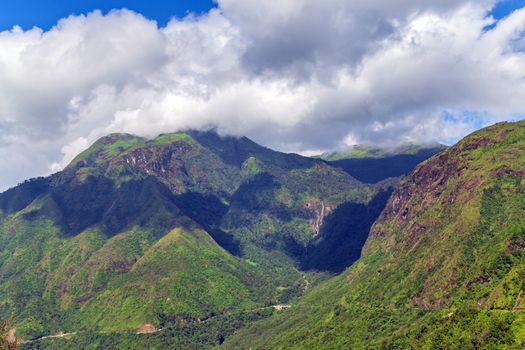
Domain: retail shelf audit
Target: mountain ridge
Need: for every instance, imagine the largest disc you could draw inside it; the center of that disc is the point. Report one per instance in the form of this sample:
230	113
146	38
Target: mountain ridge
373	165
370	151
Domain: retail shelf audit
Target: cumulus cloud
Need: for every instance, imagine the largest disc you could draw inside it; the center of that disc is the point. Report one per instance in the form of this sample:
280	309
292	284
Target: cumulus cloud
300	75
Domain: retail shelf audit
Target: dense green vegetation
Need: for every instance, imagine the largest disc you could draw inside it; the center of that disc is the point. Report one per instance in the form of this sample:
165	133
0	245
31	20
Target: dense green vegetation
342	236
443	268
183	335
171	231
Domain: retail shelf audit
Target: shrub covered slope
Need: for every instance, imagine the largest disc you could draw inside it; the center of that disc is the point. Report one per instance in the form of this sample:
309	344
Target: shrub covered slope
443	268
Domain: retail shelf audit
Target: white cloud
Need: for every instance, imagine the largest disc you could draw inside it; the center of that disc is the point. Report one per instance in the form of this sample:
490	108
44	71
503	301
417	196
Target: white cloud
299	76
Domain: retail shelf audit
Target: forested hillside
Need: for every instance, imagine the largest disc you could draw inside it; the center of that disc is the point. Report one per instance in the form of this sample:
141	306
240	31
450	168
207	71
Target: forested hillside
175	230
443	268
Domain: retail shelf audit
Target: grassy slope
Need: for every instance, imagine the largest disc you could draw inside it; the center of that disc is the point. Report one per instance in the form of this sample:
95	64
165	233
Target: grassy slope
184	273
444	267
92	282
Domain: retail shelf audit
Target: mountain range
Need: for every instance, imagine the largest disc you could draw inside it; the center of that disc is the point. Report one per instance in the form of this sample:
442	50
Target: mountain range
196	240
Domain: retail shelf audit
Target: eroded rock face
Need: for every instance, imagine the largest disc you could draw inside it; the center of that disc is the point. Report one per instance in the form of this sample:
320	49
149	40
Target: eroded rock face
427	183
318	210
161	162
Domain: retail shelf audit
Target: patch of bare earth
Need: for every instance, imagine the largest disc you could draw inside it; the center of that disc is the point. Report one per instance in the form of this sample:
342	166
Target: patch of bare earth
146	328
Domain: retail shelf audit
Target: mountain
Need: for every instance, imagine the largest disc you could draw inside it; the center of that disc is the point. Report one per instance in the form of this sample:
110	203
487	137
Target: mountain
168	232
364	151
443	267
372	164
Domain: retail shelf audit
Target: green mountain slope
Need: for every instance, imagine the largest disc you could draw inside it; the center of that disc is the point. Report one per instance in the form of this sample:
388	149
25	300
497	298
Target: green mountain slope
362	151
170	231
53	282
443	268
372	165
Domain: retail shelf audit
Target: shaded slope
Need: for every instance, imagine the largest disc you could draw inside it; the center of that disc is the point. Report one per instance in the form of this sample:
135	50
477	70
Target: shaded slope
377	168
444	266
343	235
19	197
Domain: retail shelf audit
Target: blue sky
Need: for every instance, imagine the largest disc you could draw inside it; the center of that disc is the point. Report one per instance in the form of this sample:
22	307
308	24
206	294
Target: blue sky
505	7
45	13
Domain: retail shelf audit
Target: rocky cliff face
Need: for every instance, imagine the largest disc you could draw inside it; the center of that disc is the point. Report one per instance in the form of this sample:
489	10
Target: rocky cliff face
317	212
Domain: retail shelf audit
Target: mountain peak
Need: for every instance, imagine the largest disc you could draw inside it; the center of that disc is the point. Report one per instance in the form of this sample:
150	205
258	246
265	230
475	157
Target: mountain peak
105	148
115	137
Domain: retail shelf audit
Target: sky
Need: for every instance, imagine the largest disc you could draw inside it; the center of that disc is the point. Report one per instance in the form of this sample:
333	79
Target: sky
302	76
45	13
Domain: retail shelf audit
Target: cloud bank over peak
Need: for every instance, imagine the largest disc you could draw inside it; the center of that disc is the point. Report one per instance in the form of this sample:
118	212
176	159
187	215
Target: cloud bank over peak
299	75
